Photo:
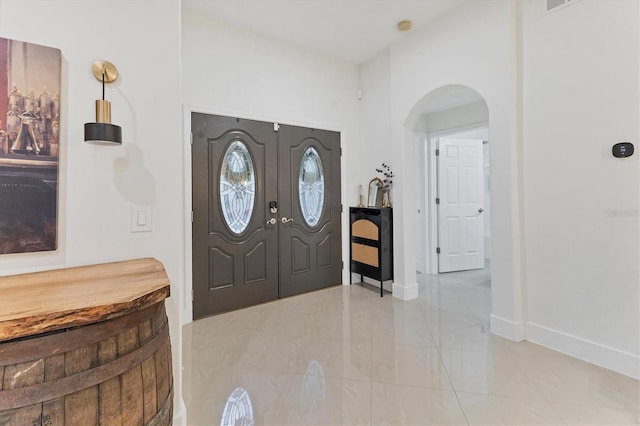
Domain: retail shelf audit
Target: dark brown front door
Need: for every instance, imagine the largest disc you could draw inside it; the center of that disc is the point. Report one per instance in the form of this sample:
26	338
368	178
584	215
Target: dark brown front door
235	250
309	193
245	253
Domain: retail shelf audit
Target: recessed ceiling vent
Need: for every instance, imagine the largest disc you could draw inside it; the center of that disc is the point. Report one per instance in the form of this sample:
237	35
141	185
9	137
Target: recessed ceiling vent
553	5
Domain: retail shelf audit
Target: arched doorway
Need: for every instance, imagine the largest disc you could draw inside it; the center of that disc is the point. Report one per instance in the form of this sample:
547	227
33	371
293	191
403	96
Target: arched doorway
507	266
453	229
451	112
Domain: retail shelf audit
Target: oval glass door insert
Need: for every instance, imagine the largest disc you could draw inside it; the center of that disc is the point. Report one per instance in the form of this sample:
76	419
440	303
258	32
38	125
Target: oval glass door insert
311	186
237	187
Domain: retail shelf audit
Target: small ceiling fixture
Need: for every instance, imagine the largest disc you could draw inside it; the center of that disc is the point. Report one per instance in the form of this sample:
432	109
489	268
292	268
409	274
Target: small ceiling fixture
102	131
404	25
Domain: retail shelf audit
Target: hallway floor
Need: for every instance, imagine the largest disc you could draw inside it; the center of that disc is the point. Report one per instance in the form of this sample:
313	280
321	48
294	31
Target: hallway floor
345	356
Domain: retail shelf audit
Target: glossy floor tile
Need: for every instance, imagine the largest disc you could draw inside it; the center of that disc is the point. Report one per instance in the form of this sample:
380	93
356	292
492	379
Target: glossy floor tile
489	373
409	365
501	410
318	400
345	356
408	405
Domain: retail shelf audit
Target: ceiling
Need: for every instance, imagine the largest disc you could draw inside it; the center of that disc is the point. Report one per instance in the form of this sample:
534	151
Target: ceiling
351	30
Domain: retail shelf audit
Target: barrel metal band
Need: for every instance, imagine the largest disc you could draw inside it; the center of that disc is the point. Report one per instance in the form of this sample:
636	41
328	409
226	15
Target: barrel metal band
38	347
54	389
164	414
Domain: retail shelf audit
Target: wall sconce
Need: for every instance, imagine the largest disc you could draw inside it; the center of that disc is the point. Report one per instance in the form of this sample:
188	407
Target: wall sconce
102	131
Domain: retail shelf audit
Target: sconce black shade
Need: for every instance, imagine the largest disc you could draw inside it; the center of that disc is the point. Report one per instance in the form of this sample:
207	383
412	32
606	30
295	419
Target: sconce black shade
102	133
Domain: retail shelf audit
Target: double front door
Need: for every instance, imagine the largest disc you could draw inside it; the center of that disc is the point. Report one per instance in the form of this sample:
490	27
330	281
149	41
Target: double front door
266	212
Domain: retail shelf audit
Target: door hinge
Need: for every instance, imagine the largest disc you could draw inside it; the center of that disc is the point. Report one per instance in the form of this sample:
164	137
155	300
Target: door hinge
437	152
191	216
276	127
340	151
191	138
341	208
437	250
342	264
437	200
193	294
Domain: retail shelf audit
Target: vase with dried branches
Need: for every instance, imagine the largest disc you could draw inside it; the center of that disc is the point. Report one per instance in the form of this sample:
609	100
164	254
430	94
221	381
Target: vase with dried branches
387	183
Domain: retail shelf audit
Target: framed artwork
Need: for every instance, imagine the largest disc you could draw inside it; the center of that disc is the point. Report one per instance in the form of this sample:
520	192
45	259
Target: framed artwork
29	146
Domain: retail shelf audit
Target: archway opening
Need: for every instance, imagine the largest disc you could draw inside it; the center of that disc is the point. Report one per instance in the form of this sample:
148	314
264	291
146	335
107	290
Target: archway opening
449	132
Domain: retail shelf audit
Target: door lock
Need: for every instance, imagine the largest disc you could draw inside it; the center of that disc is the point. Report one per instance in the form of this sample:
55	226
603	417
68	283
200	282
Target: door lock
273	207
480	210
287	220
271	221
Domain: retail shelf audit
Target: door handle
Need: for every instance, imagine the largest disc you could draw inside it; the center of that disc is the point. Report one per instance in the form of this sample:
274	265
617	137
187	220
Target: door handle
271	221
480	210
287	220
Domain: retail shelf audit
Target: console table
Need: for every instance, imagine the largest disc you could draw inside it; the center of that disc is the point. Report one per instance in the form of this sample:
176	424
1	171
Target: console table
371	232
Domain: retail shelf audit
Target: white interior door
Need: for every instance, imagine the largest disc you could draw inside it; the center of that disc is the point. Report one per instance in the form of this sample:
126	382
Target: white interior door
460	192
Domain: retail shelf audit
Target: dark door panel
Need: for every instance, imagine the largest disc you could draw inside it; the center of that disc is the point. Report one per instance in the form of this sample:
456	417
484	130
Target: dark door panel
235	261
310	244
243	253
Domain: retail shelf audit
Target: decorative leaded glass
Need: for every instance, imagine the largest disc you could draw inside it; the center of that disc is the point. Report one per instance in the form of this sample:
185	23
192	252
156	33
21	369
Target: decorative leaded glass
311	186
238	410
237	187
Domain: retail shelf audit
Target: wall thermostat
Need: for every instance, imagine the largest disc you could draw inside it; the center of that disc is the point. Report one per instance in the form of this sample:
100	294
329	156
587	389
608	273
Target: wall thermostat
622	150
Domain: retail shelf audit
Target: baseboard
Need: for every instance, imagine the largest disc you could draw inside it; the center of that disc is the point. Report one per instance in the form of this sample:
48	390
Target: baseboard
508	329
400	291
179	412
595	353
405	292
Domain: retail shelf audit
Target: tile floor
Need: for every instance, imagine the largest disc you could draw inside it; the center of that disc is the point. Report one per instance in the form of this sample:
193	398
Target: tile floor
345	356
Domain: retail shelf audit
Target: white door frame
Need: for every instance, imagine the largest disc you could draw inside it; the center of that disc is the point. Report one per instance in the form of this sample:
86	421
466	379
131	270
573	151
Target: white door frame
422	222
430	234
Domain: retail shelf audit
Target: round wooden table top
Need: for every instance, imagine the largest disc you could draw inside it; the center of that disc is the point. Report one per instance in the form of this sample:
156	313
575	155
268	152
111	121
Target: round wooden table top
40	302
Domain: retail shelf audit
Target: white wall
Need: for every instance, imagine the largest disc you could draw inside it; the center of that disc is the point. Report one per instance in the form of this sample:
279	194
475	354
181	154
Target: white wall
99	184
486	177
462	117
375	128
475	46
561	89
581	95
237	73
423	195
374	111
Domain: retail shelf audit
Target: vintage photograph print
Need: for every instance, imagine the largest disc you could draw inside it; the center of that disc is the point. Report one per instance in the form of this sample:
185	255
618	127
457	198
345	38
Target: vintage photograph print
29	146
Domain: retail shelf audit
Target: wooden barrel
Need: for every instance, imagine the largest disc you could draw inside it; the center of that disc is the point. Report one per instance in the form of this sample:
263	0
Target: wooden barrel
109	373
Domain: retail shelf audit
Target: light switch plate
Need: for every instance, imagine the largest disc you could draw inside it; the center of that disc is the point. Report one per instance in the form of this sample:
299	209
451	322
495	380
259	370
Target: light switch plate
141	218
